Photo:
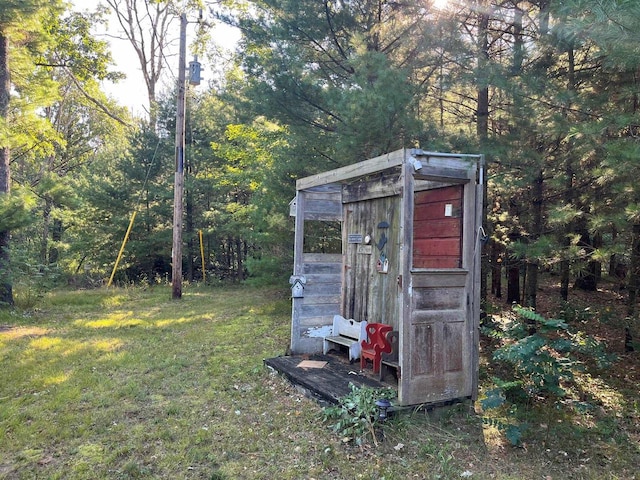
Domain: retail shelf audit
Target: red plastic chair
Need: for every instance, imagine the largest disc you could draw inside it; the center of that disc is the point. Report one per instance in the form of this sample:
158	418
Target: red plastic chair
375	345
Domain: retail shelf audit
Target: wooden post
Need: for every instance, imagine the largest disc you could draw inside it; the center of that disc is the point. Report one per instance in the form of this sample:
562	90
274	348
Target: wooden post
298	269
176	252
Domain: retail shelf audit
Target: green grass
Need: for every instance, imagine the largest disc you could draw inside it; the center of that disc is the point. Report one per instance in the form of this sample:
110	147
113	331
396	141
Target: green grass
127	383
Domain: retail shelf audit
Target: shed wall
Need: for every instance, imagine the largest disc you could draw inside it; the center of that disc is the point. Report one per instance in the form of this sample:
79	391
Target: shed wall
368	293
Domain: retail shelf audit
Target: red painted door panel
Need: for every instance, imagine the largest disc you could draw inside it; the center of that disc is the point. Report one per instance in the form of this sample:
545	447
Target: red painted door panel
437	228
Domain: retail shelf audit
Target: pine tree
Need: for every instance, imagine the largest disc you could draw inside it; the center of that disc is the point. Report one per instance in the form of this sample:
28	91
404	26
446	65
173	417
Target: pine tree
343	76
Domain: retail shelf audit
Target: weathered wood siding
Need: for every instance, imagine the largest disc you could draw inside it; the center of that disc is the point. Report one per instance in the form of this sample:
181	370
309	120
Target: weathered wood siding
369	294
313	314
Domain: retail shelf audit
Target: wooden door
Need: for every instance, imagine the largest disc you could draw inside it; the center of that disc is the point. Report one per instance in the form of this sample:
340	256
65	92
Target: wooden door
437	338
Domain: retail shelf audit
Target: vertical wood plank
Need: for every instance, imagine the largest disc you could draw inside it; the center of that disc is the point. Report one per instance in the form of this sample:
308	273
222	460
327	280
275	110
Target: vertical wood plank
404	279
297	303
475	288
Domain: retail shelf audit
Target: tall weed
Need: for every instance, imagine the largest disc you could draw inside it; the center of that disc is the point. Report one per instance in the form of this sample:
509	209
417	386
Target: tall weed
356	416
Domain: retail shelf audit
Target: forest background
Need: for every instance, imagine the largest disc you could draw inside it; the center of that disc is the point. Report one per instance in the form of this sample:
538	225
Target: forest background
547	90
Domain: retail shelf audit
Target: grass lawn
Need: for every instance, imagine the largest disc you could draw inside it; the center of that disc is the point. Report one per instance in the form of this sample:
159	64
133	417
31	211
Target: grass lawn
127	383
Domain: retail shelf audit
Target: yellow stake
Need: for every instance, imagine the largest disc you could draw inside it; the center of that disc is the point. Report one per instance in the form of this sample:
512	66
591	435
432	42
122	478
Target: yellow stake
124	242
202	255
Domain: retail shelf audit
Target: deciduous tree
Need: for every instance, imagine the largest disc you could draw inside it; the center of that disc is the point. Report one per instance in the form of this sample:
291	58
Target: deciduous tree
21	31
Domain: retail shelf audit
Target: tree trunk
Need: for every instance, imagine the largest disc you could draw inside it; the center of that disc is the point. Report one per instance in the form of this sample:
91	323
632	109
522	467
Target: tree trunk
229	258
533	264
56	237
482	129
513	263
617	269
239	260
6	289
596	265
634	270
44	240
513	280
588	278
513	274
531	287
565	241
628	340
496	270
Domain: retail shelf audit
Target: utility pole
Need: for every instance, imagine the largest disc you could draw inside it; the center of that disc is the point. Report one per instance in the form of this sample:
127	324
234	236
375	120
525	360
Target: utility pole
178	192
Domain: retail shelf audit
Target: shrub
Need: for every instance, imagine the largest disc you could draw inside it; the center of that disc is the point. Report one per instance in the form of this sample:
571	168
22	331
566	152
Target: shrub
541	355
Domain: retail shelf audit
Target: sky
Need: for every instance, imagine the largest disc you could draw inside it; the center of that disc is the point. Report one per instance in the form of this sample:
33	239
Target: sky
131	92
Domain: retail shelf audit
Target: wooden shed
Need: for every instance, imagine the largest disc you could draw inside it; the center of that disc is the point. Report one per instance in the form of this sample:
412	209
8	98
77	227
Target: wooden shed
410	224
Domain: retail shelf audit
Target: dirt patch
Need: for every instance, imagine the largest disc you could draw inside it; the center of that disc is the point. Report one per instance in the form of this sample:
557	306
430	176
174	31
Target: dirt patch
13	333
